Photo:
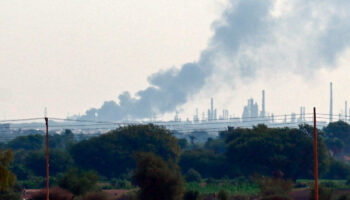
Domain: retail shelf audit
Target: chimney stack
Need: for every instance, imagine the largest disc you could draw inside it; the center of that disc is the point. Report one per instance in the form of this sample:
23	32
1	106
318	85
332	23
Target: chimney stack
346	111
331	103
263	105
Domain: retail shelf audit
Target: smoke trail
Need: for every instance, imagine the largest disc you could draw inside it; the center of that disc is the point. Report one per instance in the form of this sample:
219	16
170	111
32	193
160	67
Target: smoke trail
248	38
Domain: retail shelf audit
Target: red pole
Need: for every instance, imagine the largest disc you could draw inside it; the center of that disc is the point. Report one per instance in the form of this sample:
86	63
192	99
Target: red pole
47	159
315	157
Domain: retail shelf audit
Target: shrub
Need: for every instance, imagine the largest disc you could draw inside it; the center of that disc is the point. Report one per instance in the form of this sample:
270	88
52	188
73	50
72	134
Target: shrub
324	193
79	182
193	176
274	187
96	196
10	195
343	197
191	195
223	195
55	194
158	179
121	184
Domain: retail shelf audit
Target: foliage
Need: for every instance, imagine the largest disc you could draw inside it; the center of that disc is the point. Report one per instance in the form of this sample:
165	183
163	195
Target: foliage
34	182
338	170
10	195
29	142
111	154
55	194
324	193
207	163
7	178
183	143
273	187
216	145
60	161
335	145
62	141
239	188
191	195
193	176
340	132
79	182
265	151
157	179
223	195
121	184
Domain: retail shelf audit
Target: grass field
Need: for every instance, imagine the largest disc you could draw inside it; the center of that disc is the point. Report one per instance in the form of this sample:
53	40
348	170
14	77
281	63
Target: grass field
235	189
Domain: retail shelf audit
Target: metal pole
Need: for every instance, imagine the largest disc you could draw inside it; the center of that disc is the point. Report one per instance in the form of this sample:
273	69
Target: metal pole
315	157
47	160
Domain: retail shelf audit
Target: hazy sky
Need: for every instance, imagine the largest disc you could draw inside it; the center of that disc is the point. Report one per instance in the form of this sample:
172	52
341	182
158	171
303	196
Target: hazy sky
70	56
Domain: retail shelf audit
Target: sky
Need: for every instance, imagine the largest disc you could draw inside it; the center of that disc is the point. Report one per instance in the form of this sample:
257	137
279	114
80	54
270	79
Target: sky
70	56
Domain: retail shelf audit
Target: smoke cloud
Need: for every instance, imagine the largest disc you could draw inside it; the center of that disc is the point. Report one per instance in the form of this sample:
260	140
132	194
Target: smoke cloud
251	36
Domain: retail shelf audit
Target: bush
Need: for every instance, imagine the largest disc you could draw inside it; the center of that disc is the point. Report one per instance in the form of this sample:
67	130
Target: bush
193	176
274	187
121	184
157	178
96	196
343	197
324	193
55	194
223	195
10	195
191	195
79	182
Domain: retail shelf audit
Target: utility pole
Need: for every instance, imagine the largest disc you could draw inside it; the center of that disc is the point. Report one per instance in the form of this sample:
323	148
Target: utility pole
315	157
47	160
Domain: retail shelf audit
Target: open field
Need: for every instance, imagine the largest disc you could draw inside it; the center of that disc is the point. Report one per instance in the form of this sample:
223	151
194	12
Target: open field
235	189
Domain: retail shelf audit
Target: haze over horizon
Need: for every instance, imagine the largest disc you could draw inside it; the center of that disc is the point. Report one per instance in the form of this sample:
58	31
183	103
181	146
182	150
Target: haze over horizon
72	56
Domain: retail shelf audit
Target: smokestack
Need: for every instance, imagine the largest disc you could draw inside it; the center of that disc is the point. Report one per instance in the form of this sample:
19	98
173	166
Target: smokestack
263	104
212	109
331	103
346	111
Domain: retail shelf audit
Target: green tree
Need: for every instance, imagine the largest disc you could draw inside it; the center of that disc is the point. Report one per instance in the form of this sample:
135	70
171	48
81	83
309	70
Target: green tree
335	145
29	142
183	143
62	141
265	151
60	161
79	182
157	179
207	163
7	178
193	176
111	154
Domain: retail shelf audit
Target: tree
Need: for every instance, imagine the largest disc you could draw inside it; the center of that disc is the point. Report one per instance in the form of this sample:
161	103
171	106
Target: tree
157	179
207	163
60	161
268	150
335	145
62	141
29	142
183	143
111	154
193	176
78	182
7	178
